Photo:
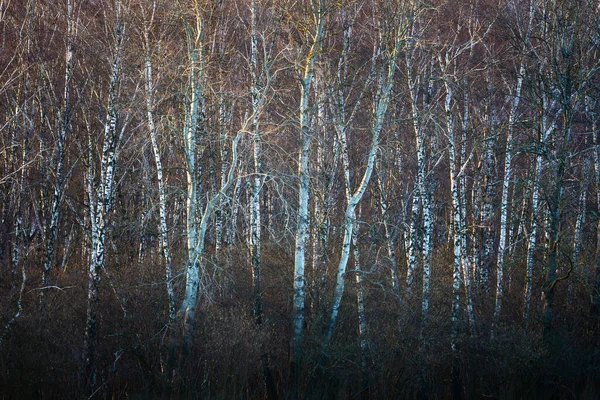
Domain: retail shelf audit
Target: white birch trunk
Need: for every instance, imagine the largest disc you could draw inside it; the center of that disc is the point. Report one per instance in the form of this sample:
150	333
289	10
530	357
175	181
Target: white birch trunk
427	254
195	246
302	227
415	228
504	206
100	203
545	130
458	267
163	230
506	180
504	203
387	223
255	211
360	305
488	195
353	197
467	257
188	308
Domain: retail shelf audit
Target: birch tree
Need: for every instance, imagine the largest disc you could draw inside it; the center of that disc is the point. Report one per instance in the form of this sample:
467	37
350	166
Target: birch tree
101	201
504	206
420	87
455	75
162	196
195	246
570	78
318	11
384	80
545	130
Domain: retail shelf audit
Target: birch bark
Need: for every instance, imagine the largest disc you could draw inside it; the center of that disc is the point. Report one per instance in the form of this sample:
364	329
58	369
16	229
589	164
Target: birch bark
255	212
353	197
387	226
101	200
418	230
302	228
195	243
162	196
504	206
545	130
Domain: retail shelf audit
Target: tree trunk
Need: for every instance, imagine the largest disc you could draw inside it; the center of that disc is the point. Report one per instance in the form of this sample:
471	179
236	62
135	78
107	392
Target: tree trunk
101	202
302	227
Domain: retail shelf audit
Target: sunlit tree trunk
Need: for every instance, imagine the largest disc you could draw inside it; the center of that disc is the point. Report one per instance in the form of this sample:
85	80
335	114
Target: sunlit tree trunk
324	170
417	241
196	221
353	197
255	212
101	201
302	228
504	206
163	231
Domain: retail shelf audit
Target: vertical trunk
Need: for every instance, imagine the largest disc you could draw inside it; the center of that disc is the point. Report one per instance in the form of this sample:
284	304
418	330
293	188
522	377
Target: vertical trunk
458	267
195	242
504	206
387	226
578	236
567	93
467	257
189	304
101	202
360	305
223	212
163	231
532	241
322	199
235	202
544	131
427	254
21	290
353	197
487	199
52	231
415	228
255	220
18	236
220	212
554	211
302	228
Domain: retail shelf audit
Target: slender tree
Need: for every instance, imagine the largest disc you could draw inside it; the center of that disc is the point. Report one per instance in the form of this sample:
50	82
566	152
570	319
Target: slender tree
318	10
101	202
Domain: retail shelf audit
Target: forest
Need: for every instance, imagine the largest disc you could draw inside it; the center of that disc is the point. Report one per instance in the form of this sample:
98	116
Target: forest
300	199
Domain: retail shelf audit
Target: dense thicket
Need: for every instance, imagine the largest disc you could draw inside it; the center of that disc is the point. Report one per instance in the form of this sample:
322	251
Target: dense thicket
303	199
